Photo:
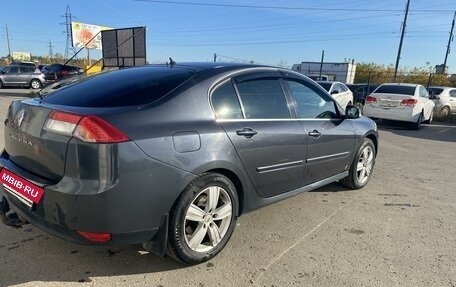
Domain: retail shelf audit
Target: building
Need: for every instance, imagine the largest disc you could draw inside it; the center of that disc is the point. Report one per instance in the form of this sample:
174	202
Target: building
341	72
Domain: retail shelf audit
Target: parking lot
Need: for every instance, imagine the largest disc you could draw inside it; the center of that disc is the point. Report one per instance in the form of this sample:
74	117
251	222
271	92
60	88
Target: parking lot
398	231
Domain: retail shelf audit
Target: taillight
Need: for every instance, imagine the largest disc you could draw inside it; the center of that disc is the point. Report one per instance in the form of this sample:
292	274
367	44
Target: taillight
86	128
409	102
370	100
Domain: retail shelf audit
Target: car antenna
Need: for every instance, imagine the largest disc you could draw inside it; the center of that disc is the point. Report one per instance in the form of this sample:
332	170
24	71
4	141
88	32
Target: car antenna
171	62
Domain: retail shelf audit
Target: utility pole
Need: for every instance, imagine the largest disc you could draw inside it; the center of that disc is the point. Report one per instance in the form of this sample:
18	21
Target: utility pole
7	40
321	63
50	50
404	26
69	39
449	44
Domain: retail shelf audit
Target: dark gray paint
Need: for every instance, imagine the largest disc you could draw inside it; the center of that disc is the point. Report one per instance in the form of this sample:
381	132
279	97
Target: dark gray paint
128	188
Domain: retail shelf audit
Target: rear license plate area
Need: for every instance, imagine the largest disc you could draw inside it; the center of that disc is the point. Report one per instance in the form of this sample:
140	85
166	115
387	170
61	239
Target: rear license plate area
22	189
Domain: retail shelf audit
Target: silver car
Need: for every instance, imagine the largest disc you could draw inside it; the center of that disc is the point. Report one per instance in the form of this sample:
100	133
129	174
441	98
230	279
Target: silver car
444	99
22	76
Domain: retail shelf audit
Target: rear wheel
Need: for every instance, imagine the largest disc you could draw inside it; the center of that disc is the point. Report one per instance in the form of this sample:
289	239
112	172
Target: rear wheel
362	166
445	112
203	219
431	117
35	84
418	123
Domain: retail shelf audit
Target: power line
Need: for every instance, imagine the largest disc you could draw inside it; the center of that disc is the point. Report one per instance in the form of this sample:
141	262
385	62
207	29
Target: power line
287	7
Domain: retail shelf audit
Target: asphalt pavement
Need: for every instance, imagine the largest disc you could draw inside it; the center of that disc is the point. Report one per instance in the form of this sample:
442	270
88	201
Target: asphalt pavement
397	231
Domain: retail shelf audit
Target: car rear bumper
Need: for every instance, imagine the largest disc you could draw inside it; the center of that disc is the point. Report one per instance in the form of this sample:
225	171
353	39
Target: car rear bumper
131	208
405	115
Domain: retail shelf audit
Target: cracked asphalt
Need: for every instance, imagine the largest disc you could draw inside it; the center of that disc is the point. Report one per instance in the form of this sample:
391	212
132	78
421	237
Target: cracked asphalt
398	231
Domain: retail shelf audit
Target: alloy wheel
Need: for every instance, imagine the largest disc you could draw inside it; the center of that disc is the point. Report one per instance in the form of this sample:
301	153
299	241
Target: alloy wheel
365	164
207	219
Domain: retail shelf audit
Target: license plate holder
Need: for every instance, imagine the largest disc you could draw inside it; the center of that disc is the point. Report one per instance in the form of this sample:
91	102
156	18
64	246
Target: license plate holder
388	103
22	189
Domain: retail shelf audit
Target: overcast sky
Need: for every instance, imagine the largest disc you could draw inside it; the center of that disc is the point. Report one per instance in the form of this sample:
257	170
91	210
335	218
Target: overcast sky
267	32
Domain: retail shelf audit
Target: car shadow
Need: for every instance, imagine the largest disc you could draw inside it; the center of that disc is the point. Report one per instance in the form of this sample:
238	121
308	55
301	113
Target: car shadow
37	256
437	131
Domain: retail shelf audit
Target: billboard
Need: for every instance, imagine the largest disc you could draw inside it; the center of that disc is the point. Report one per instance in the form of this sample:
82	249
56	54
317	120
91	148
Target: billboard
82	33
124	47
21	56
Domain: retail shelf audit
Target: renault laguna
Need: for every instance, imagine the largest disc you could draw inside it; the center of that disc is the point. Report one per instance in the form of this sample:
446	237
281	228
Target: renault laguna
170	155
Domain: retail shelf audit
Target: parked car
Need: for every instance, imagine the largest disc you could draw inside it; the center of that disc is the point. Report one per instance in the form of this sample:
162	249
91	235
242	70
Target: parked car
170	156
400	102
361	91
339	91
444	99
57	72
21	76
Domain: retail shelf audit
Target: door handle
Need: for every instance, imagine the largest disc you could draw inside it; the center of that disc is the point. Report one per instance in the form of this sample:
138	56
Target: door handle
247	132
315	134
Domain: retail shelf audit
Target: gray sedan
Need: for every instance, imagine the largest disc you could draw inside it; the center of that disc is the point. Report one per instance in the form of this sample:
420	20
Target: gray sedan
170	155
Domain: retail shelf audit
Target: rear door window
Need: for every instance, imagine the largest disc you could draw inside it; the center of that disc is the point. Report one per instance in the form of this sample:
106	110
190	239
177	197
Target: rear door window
263	98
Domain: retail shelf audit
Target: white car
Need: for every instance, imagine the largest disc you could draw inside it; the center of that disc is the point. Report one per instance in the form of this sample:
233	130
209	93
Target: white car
339	91
400	102
444	99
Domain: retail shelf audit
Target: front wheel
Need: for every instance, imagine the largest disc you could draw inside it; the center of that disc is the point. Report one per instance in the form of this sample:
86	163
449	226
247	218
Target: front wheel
202	219
362	166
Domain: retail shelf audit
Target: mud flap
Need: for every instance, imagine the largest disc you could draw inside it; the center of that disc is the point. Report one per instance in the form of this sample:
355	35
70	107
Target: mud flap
157	245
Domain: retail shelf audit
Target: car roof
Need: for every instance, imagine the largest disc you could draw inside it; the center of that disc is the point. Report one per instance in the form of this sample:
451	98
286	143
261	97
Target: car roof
199	66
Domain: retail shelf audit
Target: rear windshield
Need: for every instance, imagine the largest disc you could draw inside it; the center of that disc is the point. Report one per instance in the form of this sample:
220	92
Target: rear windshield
53	68
396	89
128	87
325	86
435	91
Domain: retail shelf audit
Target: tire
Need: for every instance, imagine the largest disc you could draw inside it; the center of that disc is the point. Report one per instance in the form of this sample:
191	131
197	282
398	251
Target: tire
35	84
445	112
200	227
361	167
418	123
1	85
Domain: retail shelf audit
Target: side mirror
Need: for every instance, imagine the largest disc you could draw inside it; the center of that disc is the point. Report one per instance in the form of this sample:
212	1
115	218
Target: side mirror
335	92
352	112
432	97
